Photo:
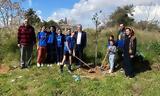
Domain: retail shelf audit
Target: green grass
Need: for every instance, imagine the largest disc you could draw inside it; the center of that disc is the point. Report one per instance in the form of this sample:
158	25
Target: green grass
49	82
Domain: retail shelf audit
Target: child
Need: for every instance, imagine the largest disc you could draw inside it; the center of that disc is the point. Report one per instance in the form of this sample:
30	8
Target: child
111	53
111	37
51	45
60	38
41	48
68	50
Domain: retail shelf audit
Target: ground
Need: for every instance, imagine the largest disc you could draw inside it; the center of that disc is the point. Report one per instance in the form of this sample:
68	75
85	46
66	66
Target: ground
47	81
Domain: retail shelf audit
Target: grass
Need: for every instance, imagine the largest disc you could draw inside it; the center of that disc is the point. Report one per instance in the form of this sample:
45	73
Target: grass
49	82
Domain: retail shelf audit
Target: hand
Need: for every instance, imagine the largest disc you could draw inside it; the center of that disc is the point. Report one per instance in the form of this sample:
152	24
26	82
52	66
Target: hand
131	56
19	45
130	51
74	53
37	47
69	51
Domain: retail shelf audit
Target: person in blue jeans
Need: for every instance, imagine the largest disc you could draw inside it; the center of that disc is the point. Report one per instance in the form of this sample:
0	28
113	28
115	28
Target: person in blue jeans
60	38
111	53
51	46
69	50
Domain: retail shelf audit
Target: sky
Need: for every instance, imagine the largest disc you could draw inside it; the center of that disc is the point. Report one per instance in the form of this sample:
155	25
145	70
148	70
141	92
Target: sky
81	11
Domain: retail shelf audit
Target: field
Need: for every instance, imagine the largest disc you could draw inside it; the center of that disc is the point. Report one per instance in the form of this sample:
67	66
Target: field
47	81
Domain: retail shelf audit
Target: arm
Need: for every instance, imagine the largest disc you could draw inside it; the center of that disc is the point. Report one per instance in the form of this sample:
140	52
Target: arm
34	36
85	39
19	36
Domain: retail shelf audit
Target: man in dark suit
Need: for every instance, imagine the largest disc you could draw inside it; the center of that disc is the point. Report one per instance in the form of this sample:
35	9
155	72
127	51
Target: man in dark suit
81	40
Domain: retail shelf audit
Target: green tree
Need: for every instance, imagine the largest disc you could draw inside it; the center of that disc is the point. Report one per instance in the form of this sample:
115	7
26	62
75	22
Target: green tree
32	16
122	15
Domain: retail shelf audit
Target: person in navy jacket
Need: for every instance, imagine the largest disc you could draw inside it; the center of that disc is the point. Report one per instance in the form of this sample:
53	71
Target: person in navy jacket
51	46
81	40
60	38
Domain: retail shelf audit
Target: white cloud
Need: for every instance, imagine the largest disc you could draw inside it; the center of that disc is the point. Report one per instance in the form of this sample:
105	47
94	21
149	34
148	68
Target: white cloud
147	12
83	10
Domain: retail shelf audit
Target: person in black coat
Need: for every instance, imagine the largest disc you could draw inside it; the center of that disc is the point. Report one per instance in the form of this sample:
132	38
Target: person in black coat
81	40
129	52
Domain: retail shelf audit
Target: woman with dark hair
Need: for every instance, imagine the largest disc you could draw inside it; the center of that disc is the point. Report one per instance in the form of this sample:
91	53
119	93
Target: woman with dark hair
60	38
51	46
42	46
129	52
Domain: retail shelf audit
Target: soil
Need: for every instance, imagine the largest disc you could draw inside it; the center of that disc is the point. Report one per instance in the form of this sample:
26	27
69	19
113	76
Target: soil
4	69
94	73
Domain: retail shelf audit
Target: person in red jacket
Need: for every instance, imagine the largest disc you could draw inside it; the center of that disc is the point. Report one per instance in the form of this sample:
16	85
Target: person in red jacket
26	40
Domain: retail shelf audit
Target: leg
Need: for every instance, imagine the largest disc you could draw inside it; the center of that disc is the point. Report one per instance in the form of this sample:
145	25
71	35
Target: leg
29	55
23	56
39	56
112	62
61	64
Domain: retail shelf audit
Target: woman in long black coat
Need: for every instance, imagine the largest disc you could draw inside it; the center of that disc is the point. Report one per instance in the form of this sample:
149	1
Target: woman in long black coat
129	52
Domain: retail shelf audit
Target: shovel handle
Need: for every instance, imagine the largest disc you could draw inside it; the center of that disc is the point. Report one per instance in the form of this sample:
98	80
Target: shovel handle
82	62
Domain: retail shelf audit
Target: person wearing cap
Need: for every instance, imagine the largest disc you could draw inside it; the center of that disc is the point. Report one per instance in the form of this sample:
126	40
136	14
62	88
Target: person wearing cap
26	40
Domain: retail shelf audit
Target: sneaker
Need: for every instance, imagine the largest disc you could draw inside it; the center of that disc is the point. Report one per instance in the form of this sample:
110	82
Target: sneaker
41	65
58	63
38	65
69	71
50	65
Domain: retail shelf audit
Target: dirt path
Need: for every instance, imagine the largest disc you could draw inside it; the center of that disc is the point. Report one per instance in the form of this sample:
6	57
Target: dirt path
4	69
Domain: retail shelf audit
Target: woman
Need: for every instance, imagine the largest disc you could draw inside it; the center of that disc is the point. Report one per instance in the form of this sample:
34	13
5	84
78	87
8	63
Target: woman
69	50
60	38
42	46
129	52
51	46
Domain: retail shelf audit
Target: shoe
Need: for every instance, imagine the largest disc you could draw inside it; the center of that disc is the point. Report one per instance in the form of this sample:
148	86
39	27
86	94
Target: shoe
38	65
42	65
70	71
50	65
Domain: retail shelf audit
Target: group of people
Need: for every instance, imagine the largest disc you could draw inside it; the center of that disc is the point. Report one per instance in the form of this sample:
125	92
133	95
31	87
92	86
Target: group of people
52	45
55	47
124	49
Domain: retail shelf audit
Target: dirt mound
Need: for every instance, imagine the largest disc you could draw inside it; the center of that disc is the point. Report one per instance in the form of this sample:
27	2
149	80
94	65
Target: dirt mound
4	69
97	72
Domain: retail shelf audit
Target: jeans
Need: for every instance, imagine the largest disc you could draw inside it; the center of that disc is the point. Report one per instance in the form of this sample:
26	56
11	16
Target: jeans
111	61
26	55
59	54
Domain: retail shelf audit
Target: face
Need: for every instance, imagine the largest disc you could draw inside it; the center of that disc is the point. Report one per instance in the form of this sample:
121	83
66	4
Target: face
111	43
110	38
79	28
72	33
127	32
25	22
58	31
121	26
52	29
68	31
43	29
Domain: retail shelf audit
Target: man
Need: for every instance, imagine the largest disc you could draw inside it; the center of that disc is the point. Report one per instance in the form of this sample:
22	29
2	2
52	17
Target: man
26	40
120	44
81	40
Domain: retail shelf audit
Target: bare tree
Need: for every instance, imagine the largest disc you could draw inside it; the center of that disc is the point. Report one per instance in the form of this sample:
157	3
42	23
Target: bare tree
10	12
